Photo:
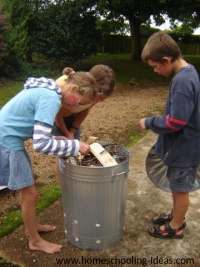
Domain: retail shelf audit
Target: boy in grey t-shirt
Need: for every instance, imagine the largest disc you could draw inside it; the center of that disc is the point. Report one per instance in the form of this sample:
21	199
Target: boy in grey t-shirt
178	144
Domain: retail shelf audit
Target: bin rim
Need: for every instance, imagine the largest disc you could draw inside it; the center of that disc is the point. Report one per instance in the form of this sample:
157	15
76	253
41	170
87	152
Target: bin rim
97	167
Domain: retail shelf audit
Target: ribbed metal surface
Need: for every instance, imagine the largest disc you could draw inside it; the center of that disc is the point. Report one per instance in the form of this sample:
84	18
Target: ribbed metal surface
94	201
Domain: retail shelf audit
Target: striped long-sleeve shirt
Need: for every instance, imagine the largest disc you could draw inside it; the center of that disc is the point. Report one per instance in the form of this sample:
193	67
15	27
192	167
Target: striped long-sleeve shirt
45	143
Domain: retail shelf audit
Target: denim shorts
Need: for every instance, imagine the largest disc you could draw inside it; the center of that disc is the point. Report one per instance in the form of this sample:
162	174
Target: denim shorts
15	169
172	179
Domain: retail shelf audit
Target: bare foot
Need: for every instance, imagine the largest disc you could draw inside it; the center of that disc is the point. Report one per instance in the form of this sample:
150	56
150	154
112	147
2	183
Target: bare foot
45	246
45	228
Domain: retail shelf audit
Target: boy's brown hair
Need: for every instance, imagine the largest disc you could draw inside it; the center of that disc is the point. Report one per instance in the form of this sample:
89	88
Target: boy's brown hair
160	45
105	79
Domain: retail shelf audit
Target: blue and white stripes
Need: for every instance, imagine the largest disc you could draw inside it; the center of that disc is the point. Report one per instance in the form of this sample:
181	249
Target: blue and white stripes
42	82
45	143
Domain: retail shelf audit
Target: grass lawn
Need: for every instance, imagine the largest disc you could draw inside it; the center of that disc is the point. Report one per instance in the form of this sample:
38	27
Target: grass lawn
8	89
127	69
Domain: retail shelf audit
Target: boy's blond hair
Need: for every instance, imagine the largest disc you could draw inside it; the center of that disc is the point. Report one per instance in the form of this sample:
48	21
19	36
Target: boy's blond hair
84	81
160	45
105	79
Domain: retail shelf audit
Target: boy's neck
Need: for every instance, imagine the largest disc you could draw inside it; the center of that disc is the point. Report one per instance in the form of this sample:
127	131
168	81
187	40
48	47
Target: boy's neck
179	64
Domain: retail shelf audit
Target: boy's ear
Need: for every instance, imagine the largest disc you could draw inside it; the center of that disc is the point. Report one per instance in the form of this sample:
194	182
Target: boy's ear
166	60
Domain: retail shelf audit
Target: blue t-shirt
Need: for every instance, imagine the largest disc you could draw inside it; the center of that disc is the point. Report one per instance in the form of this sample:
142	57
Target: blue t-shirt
18	116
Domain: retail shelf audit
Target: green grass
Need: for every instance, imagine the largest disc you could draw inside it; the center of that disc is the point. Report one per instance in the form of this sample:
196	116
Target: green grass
13	219
125	68
5	263
8	89
134	138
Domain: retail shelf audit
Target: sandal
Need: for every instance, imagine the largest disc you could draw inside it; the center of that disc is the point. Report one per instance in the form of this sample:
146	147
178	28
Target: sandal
168	232
162	218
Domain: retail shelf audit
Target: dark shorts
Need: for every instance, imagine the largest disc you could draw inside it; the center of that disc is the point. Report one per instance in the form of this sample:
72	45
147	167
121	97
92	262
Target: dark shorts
172	179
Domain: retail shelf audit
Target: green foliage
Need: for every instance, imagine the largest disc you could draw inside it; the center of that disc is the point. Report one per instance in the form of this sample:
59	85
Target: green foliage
37	69
63	30
139	12
67	32
187	11
22	19
183	30
112	26
5	55
3	50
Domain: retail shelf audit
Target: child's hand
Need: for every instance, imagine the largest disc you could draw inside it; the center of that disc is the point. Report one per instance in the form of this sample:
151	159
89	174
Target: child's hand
84	148
142	123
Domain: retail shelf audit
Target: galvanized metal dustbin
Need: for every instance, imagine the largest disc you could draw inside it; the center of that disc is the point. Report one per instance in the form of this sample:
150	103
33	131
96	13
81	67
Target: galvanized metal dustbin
94	200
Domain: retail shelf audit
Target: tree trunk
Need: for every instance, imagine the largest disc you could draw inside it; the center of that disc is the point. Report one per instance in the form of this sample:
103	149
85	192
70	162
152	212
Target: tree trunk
136	38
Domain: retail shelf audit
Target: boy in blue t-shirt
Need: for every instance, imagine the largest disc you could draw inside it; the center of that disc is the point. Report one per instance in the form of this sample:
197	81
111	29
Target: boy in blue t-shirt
31	114
176	154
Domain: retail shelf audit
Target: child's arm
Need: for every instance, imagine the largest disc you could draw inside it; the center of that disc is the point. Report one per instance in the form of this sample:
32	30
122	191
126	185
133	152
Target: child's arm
181	108
45	143
61	124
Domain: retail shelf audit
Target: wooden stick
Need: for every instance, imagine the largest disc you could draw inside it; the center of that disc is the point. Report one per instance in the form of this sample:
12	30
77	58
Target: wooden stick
102	155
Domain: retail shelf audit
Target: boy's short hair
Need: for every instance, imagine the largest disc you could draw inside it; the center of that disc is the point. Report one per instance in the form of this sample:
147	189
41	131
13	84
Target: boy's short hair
105	79
160	45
